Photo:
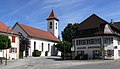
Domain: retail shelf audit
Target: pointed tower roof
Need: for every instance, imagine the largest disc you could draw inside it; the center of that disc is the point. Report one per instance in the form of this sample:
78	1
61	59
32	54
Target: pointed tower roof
52	16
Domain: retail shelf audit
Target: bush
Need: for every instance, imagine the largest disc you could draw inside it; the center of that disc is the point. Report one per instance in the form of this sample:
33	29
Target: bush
46	53
78	57
85	57
36	53
81	57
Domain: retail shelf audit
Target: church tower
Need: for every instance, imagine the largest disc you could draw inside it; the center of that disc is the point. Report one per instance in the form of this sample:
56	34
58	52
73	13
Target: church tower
52	23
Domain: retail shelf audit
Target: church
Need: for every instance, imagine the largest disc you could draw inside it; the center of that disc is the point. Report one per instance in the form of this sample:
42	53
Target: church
39	39
97	38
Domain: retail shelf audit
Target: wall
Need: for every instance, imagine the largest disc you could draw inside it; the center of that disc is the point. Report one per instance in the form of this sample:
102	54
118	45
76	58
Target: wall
53	30
39	46
15	45
107	46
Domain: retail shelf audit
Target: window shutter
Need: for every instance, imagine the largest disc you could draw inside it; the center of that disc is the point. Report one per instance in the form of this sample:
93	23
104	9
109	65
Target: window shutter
10	50
15	50
13	38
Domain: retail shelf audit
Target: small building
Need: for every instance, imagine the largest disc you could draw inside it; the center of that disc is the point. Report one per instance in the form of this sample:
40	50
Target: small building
39	39
97	38
13	52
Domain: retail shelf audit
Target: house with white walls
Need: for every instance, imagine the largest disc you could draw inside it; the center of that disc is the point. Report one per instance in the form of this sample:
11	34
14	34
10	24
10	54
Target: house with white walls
13	52
39	39
97	38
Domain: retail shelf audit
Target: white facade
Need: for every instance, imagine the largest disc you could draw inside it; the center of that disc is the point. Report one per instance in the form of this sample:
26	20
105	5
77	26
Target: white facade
15	46
38	43
52	27
110	42
106	45
43	46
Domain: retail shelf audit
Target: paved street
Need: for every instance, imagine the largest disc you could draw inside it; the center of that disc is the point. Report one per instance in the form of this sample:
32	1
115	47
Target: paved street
52	63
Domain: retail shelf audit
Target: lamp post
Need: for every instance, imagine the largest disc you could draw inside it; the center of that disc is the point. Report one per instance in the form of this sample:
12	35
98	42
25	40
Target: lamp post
7	44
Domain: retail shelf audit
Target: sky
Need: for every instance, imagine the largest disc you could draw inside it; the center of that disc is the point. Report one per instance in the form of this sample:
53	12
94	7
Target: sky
34	12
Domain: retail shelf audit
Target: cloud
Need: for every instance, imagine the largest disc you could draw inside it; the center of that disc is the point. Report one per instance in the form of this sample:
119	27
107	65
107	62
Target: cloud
23	7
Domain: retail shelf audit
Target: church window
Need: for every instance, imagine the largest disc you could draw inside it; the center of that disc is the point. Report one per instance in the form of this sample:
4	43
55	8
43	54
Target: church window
34	45
56	25
50	25
48	47
42	46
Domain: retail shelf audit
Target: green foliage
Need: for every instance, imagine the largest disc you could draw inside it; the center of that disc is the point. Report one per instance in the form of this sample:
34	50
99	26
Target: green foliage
63	46
69	31
81	57
24	43
5	42
36	53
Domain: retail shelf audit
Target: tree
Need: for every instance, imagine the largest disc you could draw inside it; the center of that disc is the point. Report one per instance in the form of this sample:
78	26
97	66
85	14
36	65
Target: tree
63	46
5	43
24	45
69	32
4	40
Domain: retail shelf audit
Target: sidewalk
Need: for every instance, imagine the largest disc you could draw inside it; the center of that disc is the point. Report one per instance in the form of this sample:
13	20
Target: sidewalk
12	64
47	63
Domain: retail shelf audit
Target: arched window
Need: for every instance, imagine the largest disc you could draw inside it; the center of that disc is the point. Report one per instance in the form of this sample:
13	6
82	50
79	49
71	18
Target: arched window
50	25
56	25
34	45
48	47
42	46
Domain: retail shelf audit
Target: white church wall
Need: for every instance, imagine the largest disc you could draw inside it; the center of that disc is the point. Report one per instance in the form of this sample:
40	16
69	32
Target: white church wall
39	46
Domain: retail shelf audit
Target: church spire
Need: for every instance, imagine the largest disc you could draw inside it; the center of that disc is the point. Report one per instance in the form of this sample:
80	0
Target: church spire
52	16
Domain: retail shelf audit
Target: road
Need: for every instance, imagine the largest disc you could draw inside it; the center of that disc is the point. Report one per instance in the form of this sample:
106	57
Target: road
53	63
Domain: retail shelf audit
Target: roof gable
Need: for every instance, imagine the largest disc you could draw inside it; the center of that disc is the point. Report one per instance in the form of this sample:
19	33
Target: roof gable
37	33
91	22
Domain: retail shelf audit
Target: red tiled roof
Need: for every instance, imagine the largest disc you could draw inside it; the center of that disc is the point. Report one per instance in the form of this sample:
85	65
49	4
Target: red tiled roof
4	28
116	25
52	16
37	33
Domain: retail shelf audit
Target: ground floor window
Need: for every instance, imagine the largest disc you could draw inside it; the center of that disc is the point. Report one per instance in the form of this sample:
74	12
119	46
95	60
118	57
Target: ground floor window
81	52
96	54
13	50
110	53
